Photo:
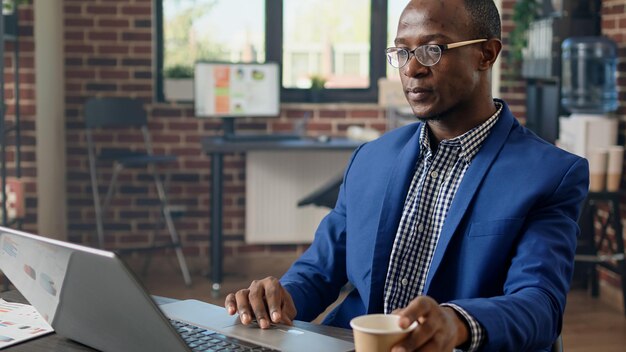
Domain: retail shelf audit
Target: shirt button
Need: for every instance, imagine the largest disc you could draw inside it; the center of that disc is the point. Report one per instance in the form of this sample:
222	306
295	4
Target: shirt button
420	227
405	282
434	174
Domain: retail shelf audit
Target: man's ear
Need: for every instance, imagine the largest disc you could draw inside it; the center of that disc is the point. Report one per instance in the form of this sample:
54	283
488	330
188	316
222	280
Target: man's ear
490	51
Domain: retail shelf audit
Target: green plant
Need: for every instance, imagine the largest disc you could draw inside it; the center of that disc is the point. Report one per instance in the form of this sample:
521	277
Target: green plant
524	13
317	82
178	71
8	6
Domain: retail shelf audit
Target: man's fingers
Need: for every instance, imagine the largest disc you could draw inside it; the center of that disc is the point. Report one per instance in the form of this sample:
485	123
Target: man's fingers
417	310
231	304
434	332
289	308
257	302
266	300
274	298
243	306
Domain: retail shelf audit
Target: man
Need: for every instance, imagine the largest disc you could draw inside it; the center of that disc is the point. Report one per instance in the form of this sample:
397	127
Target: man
465	222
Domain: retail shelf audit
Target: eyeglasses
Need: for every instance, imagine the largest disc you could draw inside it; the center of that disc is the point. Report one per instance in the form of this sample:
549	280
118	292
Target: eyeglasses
427	55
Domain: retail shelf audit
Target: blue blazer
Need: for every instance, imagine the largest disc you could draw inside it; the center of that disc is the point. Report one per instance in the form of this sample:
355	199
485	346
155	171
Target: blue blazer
506	249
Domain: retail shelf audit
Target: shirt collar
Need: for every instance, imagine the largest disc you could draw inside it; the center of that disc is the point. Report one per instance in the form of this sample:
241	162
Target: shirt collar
469	142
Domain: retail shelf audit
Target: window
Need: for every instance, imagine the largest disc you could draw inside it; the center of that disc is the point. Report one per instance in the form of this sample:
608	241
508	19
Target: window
341	41
202	31
394	10
330	36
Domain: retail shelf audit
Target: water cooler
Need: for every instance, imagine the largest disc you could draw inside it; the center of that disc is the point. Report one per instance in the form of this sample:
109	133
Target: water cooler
589	93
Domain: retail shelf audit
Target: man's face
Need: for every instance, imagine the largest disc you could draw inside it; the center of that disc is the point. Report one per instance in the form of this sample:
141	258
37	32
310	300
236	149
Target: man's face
451	84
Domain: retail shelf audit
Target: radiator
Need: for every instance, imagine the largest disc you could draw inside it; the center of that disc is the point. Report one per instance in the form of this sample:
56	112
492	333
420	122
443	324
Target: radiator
275	182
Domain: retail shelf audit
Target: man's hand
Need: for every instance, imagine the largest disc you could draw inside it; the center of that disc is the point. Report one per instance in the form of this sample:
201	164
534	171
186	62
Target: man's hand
267	300
439	329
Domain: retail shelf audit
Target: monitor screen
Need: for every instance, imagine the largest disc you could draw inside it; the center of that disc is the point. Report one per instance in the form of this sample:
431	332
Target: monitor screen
236	90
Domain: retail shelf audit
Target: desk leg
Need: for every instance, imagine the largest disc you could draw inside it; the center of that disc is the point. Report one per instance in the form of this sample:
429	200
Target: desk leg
619	238
216	221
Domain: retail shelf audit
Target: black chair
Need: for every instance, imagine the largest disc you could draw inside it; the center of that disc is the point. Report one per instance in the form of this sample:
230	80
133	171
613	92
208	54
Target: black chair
125	113
324	196
598	247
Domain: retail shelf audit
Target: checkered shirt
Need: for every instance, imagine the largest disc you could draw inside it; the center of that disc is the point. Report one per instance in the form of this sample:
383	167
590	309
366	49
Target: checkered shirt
434	184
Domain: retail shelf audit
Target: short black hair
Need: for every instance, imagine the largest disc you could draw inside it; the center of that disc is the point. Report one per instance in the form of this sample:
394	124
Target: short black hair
484	18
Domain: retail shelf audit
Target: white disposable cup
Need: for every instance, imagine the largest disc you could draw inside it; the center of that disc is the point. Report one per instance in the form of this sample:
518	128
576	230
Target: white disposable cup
615	165
597	169
378	332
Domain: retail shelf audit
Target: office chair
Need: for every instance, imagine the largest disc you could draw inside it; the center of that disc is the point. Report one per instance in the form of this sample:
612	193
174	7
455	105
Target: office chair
126	113
324	196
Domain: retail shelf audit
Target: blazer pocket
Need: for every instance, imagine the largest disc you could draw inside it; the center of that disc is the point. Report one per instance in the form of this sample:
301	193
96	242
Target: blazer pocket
495	227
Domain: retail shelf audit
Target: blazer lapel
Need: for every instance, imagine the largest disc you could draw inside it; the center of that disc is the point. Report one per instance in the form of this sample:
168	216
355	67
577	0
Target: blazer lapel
393	204
469	185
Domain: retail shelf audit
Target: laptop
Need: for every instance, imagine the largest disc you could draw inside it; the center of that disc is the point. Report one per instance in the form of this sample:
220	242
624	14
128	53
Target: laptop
90	296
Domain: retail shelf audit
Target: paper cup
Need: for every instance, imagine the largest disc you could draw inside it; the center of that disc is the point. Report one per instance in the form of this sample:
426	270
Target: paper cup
597	169
615	165
378	332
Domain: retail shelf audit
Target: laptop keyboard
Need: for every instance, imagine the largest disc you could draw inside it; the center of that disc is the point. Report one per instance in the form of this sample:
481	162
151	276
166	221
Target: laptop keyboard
200	339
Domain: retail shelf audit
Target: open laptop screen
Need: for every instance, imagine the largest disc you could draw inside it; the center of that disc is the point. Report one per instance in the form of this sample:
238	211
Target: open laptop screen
37	267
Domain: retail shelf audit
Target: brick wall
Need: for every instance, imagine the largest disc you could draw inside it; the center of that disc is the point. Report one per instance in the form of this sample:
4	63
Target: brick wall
512	85
26	111
108	48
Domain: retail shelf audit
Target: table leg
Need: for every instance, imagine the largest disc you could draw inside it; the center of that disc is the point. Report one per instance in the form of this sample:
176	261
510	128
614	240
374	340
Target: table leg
216	222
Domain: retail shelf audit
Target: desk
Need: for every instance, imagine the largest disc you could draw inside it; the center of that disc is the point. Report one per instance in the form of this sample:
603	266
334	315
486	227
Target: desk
54	342
216	147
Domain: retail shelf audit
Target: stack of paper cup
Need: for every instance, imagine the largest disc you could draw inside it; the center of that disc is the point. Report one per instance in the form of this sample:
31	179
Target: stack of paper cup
614	167
597	169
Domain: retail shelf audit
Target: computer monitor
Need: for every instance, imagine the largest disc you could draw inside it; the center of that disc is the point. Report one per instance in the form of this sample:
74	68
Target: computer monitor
236	89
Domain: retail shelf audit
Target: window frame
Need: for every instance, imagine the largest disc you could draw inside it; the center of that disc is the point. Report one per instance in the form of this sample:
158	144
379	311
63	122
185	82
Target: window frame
273	53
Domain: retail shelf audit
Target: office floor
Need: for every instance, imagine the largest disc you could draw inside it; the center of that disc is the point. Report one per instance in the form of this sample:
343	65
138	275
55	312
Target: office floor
590	324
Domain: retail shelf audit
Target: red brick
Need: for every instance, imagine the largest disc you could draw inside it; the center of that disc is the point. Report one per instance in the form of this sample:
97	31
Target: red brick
79	22
114	74
193	164
74	36
136	87
101	87
99	35
137	10
251	248
186	151
72	9
142	49
297	113
136	62
332	113
283	248
73	86
112	49
365	113
136	37
115	23
166	112
281	126
184	126
101	10
27	77
319	126
82	74
79	48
